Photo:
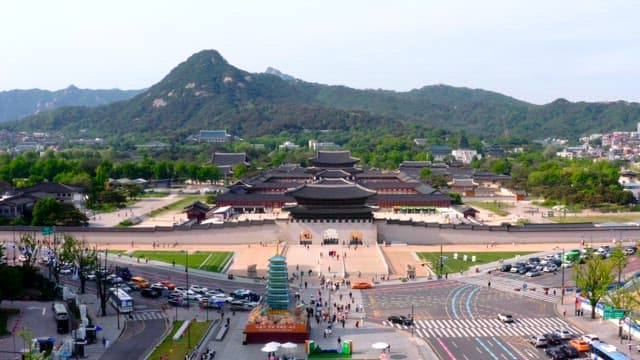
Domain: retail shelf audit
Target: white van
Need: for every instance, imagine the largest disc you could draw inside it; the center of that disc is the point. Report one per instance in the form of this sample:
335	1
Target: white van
60	312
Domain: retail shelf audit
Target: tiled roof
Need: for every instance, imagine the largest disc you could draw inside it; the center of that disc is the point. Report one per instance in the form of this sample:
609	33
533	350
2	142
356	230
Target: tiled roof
331	190
334	157
229	159
49	188
213	134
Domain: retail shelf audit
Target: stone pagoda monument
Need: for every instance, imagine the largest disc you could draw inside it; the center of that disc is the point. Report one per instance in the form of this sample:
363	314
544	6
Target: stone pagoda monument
277	297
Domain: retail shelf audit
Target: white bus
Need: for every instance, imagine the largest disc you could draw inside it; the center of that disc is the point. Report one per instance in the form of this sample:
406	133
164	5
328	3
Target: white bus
121	300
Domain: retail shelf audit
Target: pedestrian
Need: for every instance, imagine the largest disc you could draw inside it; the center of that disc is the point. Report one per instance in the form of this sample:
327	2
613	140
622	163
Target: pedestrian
305	284
489	284
564	313
339	341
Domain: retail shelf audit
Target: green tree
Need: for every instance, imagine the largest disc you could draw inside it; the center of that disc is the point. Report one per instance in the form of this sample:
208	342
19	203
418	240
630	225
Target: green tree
28	244
78	252
51	212
425	173
33	353
618	260
239	171
593	277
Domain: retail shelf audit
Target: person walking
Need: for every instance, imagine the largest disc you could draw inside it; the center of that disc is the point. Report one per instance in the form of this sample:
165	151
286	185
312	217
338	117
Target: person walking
489	284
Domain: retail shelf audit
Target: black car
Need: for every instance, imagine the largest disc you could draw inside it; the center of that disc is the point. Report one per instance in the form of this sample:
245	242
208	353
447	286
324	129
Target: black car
569	351
553	339
177	301
555	353
402	320
150	293
505	267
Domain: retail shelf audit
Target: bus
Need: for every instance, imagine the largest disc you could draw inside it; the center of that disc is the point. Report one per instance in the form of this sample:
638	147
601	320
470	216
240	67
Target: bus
121	300
61	316
604	351
571	256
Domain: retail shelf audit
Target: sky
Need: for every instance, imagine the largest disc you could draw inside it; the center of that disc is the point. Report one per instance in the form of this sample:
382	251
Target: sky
535	51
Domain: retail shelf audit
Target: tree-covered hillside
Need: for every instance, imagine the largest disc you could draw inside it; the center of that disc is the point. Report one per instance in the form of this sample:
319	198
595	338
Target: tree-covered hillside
206	92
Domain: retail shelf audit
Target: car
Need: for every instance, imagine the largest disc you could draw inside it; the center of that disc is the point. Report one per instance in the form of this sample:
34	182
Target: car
515	268
533	273
553	339
538	341
181	288
402	320
242	305
361	285
113	279
590	338
505	318
177	301
563	333
150	293
91	276
312	299
222	297
534	260
523	270
158	287
555	353
169	285
192	295
505	267
569	351
66	271
133	286
199	289
630	250
550	268
567	264
580	345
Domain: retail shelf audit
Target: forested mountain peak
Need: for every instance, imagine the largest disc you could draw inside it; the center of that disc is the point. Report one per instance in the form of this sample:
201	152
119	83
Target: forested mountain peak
207	92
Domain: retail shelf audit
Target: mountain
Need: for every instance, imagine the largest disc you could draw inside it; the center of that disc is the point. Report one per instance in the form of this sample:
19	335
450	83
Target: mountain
206	92
16	104
280	74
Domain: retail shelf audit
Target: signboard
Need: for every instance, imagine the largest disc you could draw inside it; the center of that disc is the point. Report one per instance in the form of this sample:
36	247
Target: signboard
613	314
47	230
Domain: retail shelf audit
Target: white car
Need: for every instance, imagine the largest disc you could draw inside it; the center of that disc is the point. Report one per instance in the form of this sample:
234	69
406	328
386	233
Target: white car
65	271
563	333
567	264
590	338
550	268
505	318
223	297
199	289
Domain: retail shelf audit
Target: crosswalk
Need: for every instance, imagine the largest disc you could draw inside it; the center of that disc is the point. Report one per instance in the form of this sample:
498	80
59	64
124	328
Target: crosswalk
509	285
146	315
486	327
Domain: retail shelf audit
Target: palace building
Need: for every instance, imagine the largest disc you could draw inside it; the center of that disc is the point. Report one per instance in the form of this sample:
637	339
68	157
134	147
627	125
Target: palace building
333	188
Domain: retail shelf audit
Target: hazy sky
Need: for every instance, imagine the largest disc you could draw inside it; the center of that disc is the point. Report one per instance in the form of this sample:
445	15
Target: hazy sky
533	50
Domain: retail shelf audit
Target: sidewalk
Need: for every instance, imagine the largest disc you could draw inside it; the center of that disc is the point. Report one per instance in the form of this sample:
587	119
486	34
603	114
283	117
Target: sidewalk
109	325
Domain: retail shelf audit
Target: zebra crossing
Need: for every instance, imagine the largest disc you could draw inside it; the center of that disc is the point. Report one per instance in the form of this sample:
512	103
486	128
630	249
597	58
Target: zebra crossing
453	328
509	285
146	315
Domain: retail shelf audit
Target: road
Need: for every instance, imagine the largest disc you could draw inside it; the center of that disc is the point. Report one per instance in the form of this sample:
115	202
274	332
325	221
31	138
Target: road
459	320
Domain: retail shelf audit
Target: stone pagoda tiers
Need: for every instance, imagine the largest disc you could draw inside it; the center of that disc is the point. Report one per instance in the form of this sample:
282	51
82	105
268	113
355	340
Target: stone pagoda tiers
277	297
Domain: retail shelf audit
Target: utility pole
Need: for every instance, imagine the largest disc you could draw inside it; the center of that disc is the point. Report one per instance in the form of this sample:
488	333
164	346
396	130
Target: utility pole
441	263
562	289
413	324
186	270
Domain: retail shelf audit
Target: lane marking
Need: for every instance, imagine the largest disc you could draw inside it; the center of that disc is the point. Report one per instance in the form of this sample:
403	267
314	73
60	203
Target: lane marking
469	297
446	349
504	348
487	349
457	292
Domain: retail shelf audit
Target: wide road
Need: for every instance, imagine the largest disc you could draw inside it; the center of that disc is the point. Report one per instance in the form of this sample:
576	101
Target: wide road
459	320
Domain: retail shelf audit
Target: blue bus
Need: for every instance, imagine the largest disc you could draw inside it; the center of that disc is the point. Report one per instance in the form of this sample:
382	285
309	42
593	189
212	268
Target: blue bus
604	351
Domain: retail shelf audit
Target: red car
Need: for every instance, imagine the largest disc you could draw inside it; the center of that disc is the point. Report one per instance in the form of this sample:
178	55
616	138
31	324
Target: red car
168	284
361	285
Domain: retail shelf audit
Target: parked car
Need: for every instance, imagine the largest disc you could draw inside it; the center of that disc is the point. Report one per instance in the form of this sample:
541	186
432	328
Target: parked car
553	339
505	318
198	289
580	345
399	319
550	268
361	285
564	334
150	293
533	273
67	271
630	250
569	351
590	338
555	353
168	284
505	267
538	341
133	286
177	301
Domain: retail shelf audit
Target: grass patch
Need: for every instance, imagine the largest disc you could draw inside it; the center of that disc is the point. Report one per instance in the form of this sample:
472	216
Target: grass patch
117	252
178	205
4	317
496	207
210	260
152	194
176	350
451	265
